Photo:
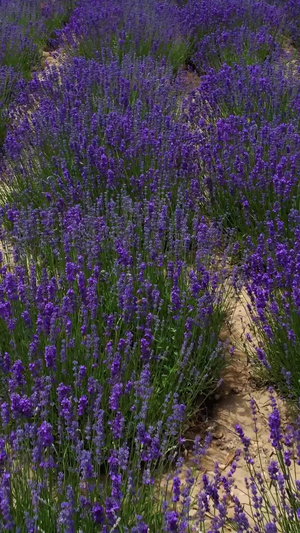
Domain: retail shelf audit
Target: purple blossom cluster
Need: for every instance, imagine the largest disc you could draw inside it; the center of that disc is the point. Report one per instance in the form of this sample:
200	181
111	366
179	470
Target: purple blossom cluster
10	84
26	27
201	18
272	486
274	90
251	172
247	146
291	12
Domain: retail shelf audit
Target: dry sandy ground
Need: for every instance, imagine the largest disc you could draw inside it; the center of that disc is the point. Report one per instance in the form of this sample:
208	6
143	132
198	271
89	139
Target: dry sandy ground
232	407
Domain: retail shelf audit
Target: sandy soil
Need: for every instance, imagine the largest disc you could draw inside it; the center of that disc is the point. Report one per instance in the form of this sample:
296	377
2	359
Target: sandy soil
231	407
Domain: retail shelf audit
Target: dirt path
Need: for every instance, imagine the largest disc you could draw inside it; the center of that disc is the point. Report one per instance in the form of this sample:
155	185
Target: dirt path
238	388
232	407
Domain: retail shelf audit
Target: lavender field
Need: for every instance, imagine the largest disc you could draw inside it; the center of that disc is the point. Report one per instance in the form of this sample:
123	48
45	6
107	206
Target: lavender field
150	184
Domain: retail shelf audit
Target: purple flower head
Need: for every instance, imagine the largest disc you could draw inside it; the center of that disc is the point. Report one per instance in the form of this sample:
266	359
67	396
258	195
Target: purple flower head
71	271
176	489
62	392
141	526
66	516
263	358
117	425
45	434
245	440
5	413
17	371
273	470
86	466
3	454
112	508
287	455
115	396
5	501
82	404
98	513
171	522
275	429
271	527
50	356
21	405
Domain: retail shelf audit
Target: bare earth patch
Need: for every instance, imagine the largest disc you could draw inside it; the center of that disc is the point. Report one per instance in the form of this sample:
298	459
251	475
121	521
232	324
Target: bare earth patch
232	407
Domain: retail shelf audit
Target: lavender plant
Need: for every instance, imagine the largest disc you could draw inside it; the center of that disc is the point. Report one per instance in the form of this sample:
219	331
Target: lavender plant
272	485
10	83
291	12
25	29
97	387
130	136
201	19
271	269
240	45
261	92
251	173
112	30
292	8
18	50
273	492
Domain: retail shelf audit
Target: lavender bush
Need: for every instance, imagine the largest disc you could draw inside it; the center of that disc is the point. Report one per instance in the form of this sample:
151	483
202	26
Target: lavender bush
251	173
97	392
112	29
272	485
271	269
240	45
273	489
130	137
200	19
293	9
291	12
247	147
274	90
10	83
25	29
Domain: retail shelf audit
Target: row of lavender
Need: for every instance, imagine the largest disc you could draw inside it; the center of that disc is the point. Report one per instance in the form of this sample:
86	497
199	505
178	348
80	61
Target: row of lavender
112	278
247	114
26	27
248	111
111	313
